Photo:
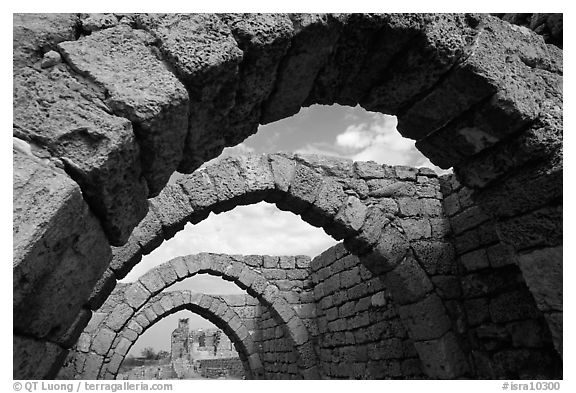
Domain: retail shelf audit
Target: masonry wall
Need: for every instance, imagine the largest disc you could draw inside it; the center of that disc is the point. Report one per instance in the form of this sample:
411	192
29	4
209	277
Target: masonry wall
506	334
359	334
214	368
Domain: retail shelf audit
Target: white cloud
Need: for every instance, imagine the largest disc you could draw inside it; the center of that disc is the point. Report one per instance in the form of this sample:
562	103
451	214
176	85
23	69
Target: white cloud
355	137
256	229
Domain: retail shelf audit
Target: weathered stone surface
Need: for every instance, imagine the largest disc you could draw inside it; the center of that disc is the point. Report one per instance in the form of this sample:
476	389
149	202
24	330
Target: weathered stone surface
326	205
136	295
228	182
68	338
149	233
283	169
59	247
118	317
533	187
444	358
469	80
408	282
388	253
36	34
32	358
303	189
425	320
173	209
349	219
542	270
102	341
264	40
126	257
102	289
140	88
64	114
258	174
205	56
437	46
201	193
542	140
539	228
314	39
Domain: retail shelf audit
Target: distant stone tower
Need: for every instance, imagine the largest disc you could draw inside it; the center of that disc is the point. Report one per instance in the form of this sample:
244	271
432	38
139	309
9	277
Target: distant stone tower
181	358
180	345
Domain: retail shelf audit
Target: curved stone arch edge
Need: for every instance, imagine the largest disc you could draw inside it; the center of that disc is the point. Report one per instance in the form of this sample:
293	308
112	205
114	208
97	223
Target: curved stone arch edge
250	359
247	279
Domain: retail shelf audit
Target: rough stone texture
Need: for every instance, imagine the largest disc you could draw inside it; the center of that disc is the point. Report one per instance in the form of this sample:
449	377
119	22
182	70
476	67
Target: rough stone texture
32	358
63	114
36	34
59	247
550	26
139	88
503	125
497	298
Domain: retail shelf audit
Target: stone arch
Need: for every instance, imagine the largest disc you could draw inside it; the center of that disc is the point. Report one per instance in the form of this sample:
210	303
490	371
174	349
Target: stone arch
104	363
231	268
502	129
391	217
211	307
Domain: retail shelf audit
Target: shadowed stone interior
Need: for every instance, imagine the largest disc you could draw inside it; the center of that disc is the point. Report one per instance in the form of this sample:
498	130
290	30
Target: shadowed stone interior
458	276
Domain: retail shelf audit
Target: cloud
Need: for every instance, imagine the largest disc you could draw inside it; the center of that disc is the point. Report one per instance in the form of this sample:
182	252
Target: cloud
256	229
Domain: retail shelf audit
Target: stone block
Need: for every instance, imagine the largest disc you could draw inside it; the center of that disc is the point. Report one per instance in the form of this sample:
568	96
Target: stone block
269	261
303	190
388	253
376	219
149	233
287	262
126	257
310	47
542	270
425	320
258	175
228	182
102	341
168	274
173	209
139	88
283	170
65	115
102	290
119	316
539	228
153	281
326	205
442	358
201	192
136	295
435	257
416	229
59	248
408	282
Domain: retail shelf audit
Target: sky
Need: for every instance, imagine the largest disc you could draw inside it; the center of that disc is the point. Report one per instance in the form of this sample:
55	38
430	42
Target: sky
262	228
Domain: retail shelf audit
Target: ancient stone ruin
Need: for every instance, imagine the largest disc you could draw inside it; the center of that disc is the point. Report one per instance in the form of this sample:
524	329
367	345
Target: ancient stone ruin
457	276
